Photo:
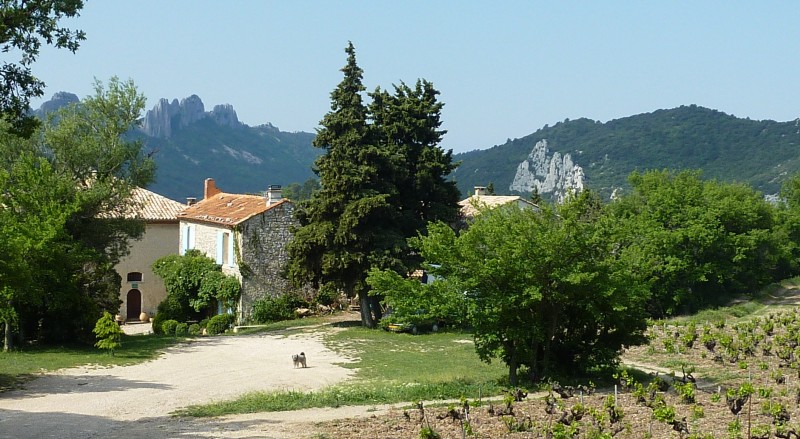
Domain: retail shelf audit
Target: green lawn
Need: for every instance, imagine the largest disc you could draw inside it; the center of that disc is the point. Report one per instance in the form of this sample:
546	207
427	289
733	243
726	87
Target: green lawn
390	368
20	365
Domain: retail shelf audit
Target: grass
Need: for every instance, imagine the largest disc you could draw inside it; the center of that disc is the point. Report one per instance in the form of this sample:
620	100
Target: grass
767	300
20	365
282	325
389	368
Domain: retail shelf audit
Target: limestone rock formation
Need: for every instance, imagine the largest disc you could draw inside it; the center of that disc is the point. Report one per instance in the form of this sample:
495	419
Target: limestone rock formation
556	174
168	116
225	115
60	99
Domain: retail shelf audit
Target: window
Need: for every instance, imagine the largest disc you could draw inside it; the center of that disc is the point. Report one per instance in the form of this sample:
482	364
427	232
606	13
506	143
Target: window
134	276
225	249
226	243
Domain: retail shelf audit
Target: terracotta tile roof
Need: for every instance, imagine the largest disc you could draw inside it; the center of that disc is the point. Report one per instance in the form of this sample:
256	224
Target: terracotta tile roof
157	207
150	207
470	206
227	209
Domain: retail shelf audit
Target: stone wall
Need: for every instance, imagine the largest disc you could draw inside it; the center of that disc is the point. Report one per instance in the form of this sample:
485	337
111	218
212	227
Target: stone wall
263	241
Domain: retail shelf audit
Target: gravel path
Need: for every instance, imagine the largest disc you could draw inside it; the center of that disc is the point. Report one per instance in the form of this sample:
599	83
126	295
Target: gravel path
134	401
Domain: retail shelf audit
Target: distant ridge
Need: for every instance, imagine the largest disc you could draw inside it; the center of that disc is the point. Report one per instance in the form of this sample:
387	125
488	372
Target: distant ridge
190	144
600	156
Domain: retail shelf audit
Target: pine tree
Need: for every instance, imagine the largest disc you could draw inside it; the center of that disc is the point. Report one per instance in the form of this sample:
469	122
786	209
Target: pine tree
108	333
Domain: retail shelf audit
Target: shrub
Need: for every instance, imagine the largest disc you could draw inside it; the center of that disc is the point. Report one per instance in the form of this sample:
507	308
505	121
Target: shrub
108	332
194	329
168	327
169	309
181	330
203	323
219	323
273	309
327	296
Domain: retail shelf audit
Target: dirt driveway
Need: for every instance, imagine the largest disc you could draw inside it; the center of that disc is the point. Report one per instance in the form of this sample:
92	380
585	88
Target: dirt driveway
134	401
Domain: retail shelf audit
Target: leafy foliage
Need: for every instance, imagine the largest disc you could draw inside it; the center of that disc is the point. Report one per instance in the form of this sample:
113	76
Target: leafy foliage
544	290
219	323
274	309
195	285
725	147
416	303
66	193
26	25
108	333
698	242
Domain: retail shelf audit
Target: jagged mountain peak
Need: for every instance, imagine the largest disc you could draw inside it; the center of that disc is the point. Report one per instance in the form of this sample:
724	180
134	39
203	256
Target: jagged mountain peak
166	116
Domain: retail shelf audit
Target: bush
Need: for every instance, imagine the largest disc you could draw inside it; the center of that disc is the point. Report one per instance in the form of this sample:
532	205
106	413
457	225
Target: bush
273	309
195	329
182	330
169	309
327	296
203	323
219	323
168	327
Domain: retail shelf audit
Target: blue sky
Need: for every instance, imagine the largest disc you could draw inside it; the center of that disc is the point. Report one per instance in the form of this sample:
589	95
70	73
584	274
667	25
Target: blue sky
504	69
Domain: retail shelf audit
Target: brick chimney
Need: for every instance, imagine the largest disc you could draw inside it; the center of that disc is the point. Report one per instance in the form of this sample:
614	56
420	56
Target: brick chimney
210	189
480	191
273	194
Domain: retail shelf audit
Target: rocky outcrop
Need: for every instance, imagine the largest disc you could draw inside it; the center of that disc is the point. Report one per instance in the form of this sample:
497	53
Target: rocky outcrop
556	174
168	116
225	115
60	99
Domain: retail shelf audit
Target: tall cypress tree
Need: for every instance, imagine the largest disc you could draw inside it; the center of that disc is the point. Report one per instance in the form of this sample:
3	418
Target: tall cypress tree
340	225
382	178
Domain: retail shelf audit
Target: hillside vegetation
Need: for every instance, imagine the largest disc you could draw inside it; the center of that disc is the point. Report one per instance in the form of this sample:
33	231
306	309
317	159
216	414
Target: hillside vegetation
724	147
241	159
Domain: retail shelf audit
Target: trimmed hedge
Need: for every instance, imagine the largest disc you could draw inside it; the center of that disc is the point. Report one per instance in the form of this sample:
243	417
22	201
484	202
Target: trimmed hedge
219	323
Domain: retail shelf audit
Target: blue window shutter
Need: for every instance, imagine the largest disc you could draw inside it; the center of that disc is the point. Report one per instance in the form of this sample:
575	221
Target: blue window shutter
190	234
219	247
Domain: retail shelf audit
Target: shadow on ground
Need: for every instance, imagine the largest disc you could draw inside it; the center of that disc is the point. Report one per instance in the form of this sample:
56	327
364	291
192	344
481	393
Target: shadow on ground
16	424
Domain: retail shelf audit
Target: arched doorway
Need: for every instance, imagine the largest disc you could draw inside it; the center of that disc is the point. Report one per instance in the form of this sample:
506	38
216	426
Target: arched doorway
134	304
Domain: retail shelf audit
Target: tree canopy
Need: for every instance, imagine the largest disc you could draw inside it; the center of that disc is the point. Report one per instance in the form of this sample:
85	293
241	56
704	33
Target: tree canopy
382	177
26	24
66	200
196	286
544	291
701	242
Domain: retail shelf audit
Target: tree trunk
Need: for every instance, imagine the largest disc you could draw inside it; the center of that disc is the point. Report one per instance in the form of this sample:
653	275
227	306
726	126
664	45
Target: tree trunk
366	313
7	337
512	371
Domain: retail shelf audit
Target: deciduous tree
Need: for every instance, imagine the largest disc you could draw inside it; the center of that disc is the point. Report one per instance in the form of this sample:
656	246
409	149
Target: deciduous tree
545	290
24	26
702	242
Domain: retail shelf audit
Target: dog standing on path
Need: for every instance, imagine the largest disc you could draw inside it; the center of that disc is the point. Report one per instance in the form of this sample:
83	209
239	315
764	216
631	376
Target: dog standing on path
299	360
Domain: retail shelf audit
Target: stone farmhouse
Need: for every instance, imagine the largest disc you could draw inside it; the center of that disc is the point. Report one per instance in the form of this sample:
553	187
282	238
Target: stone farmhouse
141	290
246	235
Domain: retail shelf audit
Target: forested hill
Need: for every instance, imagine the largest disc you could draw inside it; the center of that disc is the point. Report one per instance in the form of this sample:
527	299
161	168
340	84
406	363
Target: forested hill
602	155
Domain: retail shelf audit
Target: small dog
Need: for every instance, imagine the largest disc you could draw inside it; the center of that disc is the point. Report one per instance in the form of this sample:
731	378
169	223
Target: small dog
299	360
